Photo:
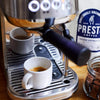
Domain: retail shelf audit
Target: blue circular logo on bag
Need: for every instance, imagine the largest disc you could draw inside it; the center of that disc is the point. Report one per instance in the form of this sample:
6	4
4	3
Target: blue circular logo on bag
89	24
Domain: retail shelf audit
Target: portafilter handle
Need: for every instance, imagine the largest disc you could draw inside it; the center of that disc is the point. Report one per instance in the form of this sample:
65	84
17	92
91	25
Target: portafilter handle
75	52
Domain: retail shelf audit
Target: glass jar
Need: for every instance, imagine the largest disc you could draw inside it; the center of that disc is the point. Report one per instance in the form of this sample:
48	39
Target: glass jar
92	82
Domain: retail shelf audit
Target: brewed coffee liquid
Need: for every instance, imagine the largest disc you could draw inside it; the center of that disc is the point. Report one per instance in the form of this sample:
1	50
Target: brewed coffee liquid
21	37
38	69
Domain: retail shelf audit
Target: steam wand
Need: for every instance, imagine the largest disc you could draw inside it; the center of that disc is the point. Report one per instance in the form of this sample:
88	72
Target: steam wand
66	34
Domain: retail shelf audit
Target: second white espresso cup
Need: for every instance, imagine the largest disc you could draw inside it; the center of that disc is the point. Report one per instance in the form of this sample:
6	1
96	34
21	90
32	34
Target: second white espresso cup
34	76
20	43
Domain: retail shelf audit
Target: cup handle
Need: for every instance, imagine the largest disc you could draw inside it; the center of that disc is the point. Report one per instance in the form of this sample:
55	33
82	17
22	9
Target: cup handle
26	83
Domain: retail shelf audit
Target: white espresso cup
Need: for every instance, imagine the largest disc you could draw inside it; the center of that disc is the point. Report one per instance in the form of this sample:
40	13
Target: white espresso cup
38	73
20	43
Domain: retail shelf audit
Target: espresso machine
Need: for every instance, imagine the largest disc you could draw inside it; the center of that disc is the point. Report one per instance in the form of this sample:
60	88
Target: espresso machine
47	18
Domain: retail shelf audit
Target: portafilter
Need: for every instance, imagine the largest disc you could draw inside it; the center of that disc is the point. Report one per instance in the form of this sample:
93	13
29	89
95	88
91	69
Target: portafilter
41	15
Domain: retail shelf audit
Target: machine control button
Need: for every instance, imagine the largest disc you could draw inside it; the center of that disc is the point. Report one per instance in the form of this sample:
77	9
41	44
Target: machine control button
69	6
33	6
45	5
56	4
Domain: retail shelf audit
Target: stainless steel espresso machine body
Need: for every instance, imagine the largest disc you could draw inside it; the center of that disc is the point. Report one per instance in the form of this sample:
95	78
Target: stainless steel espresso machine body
32	13
44	17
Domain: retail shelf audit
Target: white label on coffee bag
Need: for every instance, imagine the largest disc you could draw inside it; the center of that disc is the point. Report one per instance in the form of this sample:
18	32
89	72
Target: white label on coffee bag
88	29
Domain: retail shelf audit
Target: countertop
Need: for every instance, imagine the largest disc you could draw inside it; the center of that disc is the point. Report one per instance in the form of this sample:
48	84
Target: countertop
78	95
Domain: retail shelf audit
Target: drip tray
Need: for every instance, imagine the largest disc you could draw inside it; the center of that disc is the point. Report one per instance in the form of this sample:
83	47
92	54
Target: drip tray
61	87
56	91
